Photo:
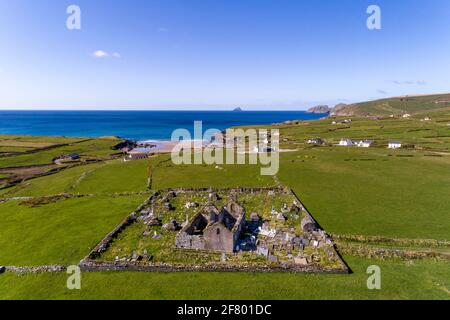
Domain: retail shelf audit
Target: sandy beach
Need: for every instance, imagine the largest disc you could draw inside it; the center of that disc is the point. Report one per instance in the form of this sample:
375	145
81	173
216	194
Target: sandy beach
166	146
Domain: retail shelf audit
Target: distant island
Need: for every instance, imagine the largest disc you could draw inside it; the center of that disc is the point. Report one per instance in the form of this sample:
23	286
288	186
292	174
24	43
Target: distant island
320	109
238	109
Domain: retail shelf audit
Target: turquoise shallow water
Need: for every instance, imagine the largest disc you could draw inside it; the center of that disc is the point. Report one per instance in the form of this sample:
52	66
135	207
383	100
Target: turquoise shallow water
137	125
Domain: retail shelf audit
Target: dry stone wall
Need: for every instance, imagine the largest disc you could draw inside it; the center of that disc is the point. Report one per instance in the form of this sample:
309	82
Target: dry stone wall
90	264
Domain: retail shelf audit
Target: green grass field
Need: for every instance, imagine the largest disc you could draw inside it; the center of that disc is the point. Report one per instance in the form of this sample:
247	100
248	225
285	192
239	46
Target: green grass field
12	149
58	233
169	175
350	191
90	148
372	192
400	280
401	105
63	182
115	176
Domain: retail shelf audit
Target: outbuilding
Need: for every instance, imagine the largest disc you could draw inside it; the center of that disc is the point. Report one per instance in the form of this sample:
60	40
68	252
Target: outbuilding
365	143
395	145
346	143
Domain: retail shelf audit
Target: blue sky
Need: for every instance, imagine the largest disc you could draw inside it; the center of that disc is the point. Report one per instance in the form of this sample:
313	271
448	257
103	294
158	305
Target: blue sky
205	54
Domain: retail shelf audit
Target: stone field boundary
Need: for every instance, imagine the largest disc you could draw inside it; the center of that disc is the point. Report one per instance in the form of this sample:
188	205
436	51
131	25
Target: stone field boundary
89	263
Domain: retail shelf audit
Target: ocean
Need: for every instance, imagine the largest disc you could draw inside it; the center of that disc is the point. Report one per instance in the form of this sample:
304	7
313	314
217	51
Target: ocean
135	125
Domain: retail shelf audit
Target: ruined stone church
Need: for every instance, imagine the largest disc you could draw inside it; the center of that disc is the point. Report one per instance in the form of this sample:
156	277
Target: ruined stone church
213	230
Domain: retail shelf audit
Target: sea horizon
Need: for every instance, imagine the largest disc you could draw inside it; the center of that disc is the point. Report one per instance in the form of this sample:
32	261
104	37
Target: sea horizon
148	125
154	110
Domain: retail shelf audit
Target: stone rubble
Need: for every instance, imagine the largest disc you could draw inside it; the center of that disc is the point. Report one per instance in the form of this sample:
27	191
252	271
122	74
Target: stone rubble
38	269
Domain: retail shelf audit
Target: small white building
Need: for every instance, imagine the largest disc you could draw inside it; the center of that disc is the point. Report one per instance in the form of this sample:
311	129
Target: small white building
365	143
263	149
315	141
395	145
346	143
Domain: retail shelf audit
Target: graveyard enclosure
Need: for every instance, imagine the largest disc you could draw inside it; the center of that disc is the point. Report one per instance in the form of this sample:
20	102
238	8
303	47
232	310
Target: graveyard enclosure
265	229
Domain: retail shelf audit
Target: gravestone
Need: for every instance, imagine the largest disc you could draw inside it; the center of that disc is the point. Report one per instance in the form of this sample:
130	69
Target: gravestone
171	226
190	205
213	196
262	251
301	261
154	222
281	217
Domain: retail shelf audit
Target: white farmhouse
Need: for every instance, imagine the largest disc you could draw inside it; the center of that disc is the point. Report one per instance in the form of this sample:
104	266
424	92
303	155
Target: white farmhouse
365	143
315	141
395	145
346	143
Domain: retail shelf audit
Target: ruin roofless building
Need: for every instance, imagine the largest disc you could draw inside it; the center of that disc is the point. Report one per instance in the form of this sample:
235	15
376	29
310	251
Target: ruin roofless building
213	230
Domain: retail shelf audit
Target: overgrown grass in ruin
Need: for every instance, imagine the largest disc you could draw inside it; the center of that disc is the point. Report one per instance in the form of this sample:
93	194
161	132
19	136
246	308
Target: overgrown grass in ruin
138	238
58	233
132	240
425	279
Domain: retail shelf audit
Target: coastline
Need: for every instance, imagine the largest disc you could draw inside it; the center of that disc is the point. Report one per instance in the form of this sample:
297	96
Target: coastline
134	125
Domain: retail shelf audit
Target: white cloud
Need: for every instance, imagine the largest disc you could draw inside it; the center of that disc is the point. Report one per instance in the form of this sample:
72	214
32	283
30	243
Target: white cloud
100	54
104	54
